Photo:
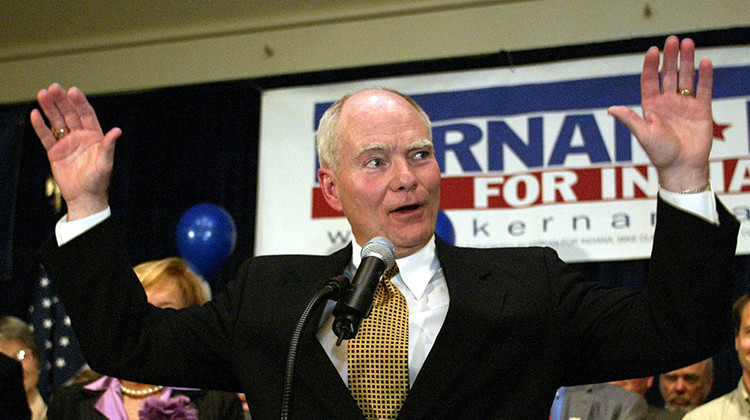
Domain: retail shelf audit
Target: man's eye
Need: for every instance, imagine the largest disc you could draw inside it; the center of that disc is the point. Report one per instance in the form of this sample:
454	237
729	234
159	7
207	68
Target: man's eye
374	163
422	154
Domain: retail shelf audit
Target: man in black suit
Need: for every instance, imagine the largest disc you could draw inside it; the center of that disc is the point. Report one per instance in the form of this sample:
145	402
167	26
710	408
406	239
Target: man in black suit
492	332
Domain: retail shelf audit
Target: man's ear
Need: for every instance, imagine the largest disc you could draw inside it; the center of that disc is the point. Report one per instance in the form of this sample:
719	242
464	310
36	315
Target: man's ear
328	184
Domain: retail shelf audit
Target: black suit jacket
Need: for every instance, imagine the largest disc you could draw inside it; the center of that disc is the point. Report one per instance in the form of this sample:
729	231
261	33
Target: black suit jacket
519	325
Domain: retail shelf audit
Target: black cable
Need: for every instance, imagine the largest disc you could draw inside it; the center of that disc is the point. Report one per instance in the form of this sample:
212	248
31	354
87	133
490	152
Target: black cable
332	290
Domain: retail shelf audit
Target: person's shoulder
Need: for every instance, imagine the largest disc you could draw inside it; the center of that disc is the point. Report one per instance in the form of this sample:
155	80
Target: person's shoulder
614	392
602	391
709	410
624	394
701	412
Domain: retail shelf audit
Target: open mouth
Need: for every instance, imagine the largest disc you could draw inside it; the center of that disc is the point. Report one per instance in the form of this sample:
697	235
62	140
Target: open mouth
405	209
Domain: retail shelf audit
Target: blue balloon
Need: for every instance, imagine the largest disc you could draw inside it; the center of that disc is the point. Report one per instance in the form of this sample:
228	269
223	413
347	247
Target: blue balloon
206	236
444	228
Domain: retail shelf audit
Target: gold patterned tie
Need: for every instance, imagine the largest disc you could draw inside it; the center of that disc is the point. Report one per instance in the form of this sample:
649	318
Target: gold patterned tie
378	355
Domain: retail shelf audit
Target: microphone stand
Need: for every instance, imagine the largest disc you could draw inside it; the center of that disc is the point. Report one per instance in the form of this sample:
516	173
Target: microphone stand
332	290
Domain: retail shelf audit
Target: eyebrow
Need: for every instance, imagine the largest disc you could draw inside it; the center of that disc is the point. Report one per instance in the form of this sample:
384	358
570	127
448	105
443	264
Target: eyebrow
375	146
419	144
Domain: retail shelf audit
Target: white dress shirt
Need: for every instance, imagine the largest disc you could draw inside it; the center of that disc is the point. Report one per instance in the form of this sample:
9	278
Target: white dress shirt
421	281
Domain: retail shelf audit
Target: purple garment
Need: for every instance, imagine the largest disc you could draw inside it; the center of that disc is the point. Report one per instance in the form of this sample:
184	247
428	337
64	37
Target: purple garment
177	408
110	402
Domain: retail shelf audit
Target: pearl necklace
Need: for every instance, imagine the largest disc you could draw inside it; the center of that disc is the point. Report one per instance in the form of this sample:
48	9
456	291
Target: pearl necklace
140	393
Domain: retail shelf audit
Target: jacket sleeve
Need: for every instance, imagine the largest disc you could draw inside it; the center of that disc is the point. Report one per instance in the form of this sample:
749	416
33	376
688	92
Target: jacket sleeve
683	316
120	333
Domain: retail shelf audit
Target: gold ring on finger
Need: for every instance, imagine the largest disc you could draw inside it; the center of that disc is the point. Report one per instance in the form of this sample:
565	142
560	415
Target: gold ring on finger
686	92
59	132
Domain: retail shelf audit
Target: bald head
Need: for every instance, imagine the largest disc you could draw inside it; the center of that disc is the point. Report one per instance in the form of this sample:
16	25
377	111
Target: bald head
329	130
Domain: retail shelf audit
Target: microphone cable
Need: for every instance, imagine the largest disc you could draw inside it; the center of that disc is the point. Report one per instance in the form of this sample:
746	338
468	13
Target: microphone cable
332	290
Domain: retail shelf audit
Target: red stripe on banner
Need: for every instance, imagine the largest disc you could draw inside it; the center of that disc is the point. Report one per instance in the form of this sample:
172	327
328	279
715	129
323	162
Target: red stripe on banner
729	167
457	193
639	193
589	185
736	175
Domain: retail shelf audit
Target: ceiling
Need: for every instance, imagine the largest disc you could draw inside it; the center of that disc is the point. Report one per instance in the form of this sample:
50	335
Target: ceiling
32	28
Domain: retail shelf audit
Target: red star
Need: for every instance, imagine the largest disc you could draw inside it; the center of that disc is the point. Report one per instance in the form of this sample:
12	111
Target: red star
719	130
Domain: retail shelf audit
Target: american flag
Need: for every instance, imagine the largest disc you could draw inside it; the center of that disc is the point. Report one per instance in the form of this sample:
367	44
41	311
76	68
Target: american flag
61	355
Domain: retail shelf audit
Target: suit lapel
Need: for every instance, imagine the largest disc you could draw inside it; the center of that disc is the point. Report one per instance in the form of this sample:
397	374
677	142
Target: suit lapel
471	292
313	367
318	373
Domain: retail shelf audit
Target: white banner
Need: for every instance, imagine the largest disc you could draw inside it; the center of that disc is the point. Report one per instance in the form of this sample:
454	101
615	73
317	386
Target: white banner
529	156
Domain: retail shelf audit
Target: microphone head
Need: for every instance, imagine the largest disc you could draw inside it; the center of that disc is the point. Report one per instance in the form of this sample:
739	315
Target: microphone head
381	248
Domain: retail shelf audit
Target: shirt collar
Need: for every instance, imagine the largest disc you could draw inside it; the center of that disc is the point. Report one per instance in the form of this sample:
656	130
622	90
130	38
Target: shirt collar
110	402
415	270
103	384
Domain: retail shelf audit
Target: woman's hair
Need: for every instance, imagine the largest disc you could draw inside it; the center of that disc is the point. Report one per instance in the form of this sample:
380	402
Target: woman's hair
14	328
153	272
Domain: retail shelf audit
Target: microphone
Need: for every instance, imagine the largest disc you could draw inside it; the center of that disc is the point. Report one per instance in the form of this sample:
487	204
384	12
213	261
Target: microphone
378	256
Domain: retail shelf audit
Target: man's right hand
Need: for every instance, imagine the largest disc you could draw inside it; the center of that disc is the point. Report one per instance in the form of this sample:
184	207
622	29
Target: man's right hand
82	156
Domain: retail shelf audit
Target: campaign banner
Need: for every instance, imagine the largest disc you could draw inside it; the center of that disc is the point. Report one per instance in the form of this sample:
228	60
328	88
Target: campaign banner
528	154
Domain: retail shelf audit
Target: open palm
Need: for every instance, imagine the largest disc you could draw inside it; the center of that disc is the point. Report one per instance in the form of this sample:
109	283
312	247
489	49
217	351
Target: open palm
676	127
82	158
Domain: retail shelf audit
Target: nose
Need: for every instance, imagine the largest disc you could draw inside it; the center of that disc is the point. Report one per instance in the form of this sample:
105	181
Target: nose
403	176
680	385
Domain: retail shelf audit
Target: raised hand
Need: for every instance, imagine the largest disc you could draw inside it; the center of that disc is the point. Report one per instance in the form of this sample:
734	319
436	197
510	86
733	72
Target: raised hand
80	155
676	130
